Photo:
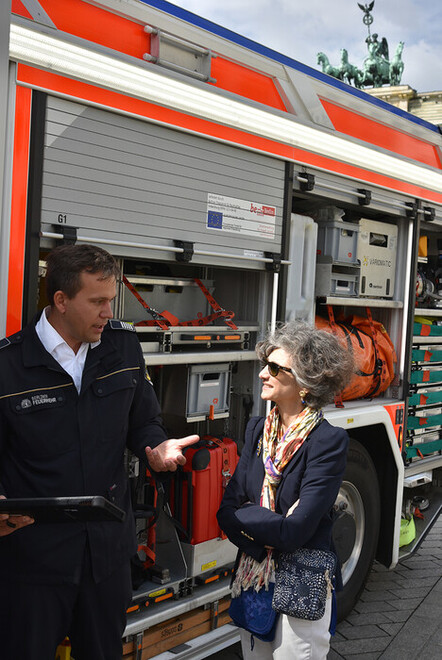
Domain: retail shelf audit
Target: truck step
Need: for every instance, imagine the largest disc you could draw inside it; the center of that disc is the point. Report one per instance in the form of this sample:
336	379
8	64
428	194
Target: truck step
177	632
424	525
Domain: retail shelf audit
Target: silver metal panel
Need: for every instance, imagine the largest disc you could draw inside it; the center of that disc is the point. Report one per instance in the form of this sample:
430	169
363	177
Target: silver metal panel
153	359
340	189
171	608
120	177
206	645
38	13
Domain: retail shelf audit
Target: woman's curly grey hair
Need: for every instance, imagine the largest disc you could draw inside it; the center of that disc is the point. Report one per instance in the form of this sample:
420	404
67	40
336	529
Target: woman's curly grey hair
321	364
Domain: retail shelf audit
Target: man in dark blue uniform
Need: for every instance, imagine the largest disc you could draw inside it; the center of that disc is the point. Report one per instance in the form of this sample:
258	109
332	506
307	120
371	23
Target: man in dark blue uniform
74	394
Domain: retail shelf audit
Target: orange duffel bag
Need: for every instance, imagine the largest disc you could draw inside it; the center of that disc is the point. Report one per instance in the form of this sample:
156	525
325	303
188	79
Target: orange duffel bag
375	357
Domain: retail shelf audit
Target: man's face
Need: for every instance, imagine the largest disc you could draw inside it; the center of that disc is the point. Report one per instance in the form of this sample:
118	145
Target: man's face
83	317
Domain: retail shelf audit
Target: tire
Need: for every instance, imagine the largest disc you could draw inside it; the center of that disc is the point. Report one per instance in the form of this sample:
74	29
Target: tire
356	527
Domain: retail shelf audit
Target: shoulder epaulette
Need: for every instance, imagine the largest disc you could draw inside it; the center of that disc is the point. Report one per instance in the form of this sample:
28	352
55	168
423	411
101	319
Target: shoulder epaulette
114	324
12	339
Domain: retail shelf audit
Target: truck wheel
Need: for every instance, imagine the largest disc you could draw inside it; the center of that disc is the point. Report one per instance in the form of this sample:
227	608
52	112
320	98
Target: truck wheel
356	527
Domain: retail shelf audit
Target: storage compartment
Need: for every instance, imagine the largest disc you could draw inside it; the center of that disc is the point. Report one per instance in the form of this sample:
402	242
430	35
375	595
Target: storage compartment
429	273
202	366
338	240
179	296
196	392
208	391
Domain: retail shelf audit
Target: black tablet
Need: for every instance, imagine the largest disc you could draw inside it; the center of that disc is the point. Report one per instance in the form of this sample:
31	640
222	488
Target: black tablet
63	509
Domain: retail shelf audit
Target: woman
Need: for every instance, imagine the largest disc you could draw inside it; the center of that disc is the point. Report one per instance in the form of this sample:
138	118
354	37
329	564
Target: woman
286	482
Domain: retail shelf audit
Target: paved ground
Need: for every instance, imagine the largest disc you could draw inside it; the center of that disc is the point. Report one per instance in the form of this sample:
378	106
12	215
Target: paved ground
399	614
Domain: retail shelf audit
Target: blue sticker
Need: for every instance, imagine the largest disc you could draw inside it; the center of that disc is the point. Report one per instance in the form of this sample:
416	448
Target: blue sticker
215	219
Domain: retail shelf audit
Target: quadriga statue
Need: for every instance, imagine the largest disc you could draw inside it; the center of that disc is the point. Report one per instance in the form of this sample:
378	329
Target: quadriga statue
376	71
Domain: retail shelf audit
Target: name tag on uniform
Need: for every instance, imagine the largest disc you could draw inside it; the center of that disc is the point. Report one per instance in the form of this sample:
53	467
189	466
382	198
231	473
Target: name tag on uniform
31	402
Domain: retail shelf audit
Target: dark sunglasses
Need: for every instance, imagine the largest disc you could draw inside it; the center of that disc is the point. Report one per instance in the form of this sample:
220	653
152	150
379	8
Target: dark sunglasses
275	368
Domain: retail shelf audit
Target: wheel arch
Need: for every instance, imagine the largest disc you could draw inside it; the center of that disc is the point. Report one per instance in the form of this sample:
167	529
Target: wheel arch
375	439
380	441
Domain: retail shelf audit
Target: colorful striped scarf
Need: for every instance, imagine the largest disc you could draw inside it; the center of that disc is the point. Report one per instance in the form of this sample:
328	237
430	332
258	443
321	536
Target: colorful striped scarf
278	449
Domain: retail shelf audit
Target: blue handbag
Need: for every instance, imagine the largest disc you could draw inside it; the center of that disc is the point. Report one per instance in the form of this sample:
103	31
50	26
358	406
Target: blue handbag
253	611
303	580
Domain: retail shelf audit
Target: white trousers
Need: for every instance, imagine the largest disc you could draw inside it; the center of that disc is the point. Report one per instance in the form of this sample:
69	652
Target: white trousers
295	639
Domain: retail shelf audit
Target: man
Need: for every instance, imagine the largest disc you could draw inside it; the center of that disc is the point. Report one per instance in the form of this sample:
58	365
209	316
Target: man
73	394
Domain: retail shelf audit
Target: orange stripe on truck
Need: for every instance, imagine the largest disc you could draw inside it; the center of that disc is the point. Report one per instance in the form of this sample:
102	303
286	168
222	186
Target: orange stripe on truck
18	209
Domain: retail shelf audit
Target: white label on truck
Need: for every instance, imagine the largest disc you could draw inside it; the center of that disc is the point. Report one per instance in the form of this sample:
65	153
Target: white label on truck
254	254
239	216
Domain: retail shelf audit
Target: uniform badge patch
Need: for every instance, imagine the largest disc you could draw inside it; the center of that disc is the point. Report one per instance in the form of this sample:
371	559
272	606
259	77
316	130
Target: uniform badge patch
43	400
39	400
114	324
147	376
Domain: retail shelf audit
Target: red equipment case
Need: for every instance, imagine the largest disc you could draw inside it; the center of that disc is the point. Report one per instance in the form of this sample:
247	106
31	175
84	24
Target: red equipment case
199	487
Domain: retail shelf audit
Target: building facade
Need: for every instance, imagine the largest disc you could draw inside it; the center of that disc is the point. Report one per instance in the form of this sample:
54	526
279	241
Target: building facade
426	105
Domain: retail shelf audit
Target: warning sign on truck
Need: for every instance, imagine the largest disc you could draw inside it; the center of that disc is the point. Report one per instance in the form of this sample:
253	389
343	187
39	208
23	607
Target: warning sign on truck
240	216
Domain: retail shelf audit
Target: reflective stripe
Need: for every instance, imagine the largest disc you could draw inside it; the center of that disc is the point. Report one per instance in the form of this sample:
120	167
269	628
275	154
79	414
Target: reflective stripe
37	389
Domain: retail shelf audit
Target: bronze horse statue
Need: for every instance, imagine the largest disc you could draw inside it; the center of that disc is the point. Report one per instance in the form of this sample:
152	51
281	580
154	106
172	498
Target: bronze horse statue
349	72
327	67
397	65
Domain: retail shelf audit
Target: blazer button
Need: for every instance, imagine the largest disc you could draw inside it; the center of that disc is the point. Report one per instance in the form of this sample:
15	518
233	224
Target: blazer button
100	391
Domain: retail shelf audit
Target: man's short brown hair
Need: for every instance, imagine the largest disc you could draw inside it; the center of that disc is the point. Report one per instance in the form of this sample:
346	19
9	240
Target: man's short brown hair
66	263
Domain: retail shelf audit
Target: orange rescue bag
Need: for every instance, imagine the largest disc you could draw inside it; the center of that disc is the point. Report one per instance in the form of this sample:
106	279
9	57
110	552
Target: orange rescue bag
375	358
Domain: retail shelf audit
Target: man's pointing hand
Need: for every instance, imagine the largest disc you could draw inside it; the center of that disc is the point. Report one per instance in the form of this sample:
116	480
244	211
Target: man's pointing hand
168	455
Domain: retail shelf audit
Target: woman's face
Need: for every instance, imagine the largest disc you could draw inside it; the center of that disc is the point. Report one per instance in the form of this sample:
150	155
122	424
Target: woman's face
283	388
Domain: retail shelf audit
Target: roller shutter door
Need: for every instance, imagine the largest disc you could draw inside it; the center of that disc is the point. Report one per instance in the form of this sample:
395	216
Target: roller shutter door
117	178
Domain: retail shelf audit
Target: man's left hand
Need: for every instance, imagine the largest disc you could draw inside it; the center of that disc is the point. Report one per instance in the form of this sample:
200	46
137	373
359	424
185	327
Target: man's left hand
168	455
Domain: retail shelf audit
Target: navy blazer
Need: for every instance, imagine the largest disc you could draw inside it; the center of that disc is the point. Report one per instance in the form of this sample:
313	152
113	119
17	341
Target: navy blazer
313	476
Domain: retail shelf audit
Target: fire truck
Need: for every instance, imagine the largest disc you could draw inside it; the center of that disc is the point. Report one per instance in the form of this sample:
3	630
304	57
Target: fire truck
237	188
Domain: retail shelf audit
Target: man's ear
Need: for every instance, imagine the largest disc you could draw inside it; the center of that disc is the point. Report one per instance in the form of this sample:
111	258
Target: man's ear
60	301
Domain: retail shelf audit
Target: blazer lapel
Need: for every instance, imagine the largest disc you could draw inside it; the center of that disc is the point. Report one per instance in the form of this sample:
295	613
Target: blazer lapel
290	467
297	456
255	476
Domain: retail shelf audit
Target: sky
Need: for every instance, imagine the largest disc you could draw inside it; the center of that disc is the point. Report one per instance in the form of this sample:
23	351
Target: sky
302	28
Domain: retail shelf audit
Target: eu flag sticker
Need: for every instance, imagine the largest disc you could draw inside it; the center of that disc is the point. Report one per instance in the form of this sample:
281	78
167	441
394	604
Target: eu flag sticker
215	219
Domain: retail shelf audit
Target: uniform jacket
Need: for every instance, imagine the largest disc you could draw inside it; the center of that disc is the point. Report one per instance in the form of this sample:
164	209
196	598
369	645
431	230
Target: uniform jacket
56	442
313	477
